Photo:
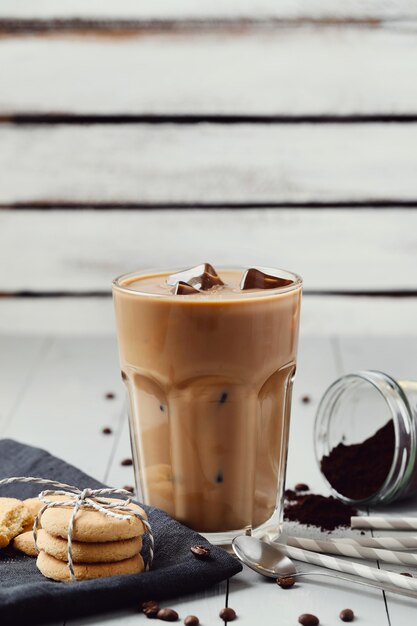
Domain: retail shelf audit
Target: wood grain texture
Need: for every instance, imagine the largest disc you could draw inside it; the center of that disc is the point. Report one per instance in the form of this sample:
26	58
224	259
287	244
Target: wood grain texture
83	251
243	163
291	71
206	9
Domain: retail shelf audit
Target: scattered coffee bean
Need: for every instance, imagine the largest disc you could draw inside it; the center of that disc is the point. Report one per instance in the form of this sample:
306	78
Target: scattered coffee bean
150	608
227	614
406	574
167	615
306	399
126	462
107	431
110	396
285	581
307	619
129	488
191	620
202	552
346	615
302	487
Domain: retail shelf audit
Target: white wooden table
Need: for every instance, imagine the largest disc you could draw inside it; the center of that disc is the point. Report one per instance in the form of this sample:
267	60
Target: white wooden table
53	386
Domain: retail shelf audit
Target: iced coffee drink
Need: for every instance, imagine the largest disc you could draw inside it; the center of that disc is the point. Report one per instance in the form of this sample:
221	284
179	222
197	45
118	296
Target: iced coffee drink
208	359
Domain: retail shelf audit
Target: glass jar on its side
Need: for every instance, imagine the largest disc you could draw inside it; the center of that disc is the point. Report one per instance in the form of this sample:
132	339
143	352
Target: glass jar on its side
365	438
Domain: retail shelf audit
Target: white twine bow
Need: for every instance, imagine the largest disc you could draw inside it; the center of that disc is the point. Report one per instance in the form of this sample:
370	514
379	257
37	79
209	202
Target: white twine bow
83	499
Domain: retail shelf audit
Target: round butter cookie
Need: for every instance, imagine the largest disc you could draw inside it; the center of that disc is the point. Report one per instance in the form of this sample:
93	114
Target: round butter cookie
53	568
25	543
83	552
13	518
91	525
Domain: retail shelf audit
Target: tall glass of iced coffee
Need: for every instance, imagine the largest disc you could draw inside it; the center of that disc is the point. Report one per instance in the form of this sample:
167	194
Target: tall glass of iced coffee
208	359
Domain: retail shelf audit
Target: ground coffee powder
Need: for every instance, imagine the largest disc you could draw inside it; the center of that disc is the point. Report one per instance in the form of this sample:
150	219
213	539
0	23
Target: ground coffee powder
314	510
357	471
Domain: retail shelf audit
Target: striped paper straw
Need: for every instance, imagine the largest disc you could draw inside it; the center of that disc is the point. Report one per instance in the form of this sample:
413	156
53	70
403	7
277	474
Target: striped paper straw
390	543
384	523
354	552
357	569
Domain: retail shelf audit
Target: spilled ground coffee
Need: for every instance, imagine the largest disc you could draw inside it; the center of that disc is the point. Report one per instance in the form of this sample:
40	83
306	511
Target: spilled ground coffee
311	509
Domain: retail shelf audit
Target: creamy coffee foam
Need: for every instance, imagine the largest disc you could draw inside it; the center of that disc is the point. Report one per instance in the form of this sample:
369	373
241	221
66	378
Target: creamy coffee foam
209	375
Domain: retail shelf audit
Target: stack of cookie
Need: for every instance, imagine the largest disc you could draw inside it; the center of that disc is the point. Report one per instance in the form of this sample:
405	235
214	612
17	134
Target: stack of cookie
101	545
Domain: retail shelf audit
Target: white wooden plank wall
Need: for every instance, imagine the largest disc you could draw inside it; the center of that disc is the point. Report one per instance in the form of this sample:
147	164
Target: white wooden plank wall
281	133
209	163
286	71
335	250
184	10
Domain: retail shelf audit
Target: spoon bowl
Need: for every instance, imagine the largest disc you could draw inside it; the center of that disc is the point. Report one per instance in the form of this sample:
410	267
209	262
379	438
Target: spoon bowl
265	558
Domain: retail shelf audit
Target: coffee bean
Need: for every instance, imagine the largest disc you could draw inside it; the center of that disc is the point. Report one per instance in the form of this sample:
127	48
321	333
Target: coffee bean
107	431
223	397
307	619
110	396
191	620
126	462
202	552
227	614
363	532
306	399
150	608
406	574
346	615
129	488
302	487
167	615
285	582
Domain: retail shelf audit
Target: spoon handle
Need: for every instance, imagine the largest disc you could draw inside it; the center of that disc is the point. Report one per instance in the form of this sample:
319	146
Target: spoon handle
374	584
349	567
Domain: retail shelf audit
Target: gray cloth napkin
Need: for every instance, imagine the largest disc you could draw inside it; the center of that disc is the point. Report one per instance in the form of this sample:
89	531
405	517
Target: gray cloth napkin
27	597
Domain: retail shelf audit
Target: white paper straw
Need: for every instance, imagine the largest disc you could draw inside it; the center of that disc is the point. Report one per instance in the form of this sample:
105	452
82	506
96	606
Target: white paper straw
384	523
391	543
354	552
357	569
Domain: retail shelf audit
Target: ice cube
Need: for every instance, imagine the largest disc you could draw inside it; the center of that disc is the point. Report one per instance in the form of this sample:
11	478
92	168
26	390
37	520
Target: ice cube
256	279
202	276
183	289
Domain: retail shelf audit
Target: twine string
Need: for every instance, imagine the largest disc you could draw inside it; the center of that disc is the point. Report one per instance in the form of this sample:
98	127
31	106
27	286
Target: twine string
90	499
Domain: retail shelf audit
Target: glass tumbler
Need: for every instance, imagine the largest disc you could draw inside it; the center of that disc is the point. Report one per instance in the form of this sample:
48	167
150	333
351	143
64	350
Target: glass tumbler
209	381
